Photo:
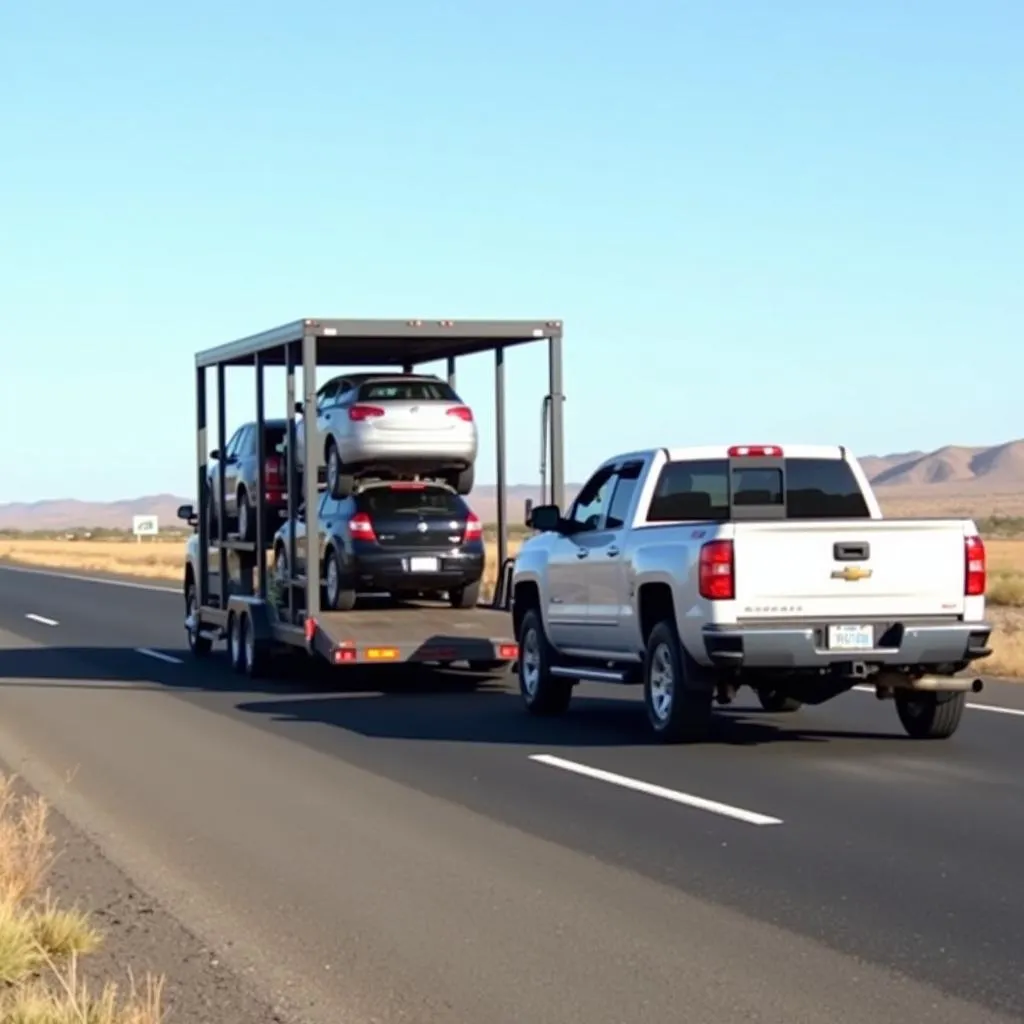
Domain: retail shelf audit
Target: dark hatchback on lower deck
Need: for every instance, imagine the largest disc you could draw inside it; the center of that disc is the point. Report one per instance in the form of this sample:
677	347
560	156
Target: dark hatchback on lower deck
407	539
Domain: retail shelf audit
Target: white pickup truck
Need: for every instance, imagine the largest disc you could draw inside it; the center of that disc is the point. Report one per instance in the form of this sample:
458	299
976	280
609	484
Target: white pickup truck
695	571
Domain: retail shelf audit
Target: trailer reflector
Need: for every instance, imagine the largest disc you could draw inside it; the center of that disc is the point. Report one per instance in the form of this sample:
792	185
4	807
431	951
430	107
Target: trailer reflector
381	653
508	651
310	627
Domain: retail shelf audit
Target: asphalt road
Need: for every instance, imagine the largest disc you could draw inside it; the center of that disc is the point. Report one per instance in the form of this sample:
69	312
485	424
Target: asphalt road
429	853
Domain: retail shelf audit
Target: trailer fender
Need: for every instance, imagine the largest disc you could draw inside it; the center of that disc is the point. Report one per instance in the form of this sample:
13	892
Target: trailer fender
258	614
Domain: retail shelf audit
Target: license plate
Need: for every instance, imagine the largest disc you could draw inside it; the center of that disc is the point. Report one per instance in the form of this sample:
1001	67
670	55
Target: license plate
423	565
851	638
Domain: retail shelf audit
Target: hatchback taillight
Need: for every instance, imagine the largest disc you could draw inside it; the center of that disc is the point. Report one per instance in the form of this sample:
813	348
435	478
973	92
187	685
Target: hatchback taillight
462	412
474	528
360	526
360	413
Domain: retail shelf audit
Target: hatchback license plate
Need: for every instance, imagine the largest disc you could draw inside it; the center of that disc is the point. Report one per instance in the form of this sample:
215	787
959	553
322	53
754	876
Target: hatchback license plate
851	638
423	565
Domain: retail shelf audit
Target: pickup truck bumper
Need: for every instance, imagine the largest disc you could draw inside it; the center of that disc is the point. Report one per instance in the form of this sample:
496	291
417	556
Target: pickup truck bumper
805	646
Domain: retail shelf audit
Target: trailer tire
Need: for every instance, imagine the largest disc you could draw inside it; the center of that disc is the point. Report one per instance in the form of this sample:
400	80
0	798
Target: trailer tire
930	716
542	693
777	702
236	650
677	712
199	645
465	597
254	650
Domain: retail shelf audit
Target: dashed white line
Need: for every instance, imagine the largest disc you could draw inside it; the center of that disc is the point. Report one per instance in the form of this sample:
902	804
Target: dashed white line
159	655
725	810
41	619
996	709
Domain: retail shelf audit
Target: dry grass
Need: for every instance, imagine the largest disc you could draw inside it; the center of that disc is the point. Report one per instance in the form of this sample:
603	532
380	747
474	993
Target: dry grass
40	942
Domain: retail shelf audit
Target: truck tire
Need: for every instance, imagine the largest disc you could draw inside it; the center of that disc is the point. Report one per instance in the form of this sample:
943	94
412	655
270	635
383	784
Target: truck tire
246	524
930	716
199	645
776	701
677	712
542	693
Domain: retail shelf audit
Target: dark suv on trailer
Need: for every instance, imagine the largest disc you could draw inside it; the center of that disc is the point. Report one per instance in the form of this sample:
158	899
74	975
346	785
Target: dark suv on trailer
403	538
239	462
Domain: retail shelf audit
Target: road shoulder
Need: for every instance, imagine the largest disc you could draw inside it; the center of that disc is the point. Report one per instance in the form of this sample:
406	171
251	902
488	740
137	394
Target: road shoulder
140	936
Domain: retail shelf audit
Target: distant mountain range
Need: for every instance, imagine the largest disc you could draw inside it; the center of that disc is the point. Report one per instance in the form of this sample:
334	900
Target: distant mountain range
946	472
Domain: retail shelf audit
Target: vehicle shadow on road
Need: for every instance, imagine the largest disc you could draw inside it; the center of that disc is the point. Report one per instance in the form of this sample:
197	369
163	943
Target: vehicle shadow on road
402	703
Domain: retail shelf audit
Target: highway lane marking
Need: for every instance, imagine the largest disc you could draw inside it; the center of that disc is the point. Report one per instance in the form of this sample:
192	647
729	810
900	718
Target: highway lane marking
639	786
93	579
159	655
973	705
41	619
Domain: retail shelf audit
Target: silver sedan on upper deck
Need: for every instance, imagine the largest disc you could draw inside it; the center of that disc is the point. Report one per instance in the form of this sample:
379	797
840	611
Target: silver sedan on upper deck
394	425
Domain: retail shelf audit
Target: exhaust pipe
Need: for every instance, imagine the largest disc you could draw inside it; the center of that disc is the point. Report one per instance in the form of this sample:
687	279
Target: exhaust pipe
887	682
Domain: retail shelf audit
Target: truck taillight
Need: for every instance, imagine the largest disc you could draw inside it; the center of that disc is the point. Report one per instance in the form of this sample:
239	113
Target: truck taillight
717	571
360	526
474	528
738	451
272	472
462	412
974	567
359	413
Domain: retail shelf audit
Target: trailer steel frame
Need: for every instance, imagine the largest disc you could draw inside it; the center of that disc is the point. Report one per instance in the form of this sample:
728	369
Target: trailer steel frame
310	343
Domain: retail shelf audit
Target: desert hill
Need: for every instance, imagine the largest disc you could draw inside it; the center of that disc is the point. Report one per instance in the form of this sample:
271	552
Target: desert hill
952	472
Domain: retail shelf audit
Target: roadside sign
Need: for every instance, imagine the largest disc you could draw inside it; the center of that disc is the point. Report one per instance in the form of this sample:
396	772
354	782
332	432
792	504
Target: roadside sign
144	526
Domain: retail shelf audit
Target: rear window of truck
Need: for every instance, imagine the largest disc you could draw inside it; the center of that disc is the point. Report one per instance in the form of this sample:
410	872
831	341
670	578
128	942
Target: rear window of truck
699	491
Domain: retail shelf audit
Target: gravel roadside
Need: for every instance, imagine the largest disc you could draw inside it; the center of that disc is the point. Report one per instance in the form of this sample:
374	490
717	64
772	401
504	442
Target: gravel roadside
140	936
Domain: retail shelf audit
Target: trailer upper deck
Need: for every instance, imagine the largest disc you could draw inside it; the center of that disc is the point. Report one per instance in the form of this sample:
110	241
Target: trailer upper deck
380	342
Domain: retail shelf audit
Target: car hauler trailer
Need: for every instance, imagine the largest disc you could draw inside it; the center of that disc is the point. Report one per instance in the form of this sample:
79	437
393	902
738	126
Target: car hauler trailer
231	601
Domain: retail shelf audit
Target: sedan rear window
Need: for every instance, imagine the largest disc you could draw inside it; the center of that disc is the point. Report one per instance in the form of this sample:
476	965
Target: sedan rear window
406	391
397	501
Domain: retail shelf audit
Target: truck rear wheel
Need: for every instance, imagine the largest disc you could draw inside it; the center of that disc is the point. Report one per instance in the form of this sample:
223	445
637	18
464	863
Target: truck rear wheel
198	644
930	716
543	693
678	713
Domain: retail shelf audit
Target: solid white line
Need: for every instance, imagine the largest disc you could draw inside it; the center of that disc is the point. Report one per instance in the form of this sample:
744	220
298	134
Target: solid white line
42	619
996	709
159	655
725	810
92	579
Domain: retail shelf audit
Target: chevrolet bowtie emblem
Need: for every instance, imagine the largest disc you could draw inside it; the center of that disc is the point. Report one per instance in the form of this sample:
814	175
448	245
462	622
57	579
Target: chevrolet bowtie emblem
851	573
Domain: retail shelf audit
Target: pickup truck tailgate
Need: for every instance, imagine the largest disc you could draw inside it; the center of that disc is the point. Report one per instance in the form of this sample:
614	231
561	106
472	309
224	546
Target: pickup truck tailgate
788	569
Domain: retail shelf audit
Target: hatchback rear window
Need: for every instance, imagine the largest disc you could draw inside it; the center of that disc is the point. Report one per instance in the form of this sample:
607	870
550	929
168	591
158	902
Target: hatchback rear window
397	501
406	391
813	489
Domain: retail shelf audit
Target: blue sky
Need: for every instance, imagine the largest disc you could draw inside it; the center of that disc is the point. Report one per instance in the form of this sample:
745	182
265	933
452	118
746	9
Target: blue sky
760	221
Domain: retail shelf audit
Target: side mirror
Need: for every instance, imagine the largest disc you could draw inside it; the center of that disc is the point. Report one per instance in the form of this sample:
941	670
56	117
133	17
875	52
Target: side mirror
188	514
215	455
545	518
527	510
298	408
